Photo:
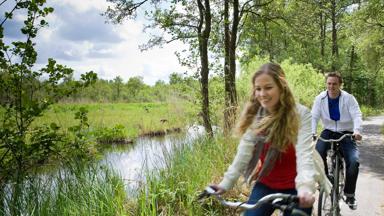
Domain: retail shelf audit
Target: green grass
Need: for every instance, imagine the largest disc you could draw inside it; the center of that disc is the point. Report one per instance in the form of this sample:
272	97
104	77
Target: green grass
173	191
81	190
136	118
370	111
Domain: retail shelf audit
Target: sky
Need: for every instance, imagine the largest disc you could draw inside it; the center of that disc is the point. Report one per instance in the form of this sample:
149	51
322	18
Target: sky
79	37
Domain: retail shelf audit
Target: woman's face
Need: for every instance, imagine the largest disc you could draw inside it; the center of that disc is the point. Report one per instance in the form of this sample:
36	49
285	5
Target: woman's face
267	92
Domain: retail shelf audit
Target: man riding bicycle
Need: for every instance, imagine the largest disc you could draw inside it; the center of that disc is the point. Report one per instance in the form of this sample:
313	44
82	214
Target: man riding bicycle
339	113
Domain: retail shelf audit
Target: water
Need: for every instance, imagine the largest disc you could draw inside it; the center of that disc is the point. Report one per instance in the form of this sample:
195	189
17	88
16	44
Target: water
131	162
146	154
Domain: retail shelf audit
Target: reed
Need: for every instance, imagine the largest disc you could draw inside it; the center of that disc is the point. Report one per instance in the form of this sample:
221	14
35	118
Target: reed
173	190
76	190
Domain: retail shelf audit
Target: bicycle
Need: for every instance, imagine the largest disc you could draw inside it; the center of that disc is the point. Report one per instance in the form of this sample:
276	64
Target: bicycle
328	204
280	201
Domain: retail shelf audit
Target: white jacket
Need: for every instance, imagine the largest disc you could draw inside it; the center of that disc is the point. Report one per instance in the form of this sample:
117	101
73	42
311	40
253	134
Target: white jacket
350	114
309	165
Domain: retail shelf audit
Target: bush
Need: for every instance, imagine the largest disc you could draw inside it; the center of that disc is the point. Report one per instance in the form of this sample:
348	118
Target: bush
108	135
305	82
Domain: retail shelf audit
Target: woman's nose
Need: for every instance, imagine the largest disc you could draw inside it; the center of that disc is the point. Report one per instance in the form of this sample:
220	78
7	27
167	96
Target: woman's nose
263	93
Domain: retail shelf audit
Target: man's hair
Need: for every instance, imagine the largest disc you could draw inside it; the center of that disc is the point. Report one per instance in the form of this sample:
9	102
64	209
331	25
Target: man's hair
334	74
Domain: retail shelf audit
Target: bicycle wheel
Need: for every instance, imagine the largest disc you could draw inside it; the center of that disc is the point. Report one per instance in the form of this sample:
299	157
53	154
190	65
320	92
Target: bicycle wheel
336	187
342	175
324	205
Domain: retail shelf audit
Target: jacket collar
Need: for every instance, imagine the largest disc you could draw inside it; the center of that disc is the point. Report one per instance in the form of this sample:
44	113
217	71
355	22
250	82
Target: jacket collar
324	99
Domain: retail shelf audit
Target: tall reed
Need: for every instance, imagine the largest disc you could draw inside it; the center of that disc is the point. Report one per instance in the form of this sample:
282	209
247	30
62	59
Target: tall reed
173	190
77	190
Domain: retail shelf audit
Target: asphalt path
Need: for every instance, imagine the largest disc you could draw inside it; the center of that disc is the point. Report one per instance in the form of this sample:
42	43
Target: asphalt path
370	184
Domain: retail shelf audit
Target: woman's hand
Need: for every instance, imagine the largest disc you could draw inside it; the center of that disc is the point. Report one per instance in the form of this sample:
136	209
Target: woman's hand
218	190
306	200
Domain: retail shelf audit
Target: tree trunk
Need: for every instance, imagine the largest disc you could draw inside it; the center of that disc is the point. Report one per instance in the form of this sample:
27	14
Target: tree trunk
230	39
203	34
323	23
335	49
348	84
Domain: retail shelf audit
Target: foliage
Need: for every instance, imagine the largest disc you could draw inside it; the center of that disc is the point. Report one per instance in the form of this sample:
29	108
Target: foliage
303	80
353	44
366	33
25	93
173	191
370	111
110	135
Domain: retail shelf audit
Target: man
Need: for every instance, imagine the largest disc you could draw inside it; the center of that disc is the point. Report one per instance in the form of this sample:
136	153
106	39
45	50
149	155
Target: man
339	113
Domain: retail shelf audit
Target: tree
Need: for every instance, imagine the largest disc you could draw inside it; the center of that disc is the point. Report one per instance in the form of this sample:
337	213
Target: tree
175	78
230	39
134	86
187	21
118	83
26	93
232	24
366	68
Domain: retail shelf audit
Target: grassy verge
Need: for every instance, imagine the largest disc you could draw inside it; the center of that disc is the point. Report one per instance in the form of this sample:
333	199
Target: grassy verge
369	111
134	118
173	191
82	190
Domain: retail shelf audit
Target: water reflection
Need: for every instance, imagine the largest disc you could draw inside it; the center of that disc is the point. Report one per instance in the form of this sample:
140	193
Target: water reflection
146	155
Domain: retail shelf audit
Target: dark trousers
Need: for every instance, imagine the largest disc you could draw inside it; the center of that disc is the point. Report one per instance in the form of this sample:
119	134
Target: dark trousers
259	191
351	157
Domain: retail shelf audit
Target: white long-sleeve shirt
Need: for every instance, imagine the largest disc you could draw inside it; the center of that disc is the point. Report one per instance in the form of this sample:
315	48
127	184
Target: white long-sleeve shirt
309	165
350	114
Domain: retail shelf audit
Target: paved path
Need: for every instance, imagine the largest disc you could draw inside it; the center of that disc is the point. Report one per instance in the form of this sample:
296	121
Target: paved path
370	185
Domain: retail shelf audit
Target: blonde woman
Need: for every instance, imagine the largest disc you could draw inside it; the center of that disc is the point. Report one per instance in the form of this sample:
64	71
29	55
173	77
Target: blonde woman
276	133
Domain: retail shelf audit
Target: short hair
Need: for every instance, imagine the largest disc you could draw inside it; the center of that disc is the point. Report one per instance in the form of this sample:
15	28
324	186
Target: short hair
334	74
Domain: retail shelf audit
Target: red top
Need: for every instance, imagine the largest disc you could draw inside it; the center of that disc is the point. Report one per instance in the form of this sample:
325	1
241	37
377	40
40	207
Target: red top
283	174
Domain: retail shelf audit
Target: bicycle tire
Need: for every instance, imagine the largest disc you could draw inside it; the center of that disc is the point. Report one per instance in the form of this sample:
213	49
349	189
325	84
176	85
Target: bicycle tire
336	187
324	205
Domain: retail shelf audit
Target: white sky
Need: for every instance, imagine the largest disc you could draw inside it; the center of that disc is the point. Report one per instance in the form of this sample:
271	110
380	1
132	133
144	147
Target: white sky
79	38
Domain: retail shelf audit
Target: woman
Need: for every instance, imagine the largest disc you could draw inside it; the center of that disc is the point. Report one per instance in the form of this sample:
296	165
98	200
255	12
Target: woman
276	132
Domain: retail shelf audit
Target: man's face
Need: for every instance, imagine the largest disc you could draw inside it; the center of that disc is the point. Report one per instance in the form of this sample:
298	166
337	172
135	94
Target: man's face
333	86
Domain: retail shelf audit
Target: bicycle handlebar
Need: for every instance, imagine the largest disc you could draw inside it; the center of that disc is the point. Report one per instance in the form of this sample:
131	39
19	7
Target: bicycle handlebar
278	200
335	140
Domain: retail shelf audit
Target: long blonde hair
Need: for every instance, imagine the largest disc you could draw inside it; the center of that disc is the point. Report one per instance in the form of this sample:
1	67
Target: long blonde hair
282	126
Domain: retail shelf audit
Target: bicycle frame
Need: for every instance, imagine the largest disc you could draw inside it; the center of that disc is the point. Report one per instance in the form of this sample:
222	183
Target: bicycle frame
277	200
336	170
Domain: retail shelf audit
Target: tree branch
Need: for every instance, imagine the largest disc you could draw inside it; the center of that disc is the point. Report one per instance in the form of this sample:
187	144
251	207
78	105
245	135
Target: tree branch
3	2
5	19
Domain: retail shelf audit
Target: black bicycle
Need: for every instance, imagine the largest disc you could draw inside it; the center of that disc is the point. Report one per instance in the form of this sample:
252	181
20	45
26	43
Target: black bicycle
279	201
328	204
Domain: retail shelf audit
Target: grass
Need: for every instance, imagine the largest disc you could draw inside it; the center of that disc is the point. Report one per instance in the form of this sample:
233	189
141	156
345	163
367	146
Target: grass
136	118
369	111
80	190
173	191
95	190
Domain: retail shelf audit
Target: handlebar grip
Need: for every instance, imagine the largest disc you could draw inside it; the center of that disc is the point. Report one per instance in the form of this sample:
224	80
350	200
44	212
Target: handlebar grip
203	195
314	137
295	199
